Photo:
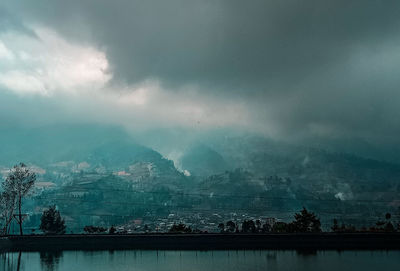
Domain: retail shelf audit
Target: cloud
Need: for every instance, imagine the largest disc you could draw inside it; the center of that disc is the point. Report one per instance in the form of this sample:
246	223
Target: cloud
221	43
10	21
74	80
292	69
5	53
47	63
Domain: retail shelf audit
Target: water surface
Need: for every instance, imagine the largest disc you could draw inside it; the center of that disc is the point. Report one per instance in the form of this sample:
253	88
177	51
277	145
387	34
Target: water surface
145	260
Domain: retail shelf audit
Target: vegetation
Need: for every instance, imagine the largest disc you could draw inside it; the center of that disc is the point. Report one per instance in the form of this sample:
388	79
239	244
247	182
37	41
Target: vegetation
112	230
305	222
20	182
94	229
7	208
51	221
230	226
180	228
380	226
16	186
248	226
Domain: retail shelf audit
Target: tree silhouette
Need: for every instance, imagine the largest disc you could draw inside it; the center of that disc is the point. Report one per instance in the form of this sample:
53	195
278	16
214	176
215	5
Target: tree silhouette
180	228
51	221
280	227
258	225
389	226
19	183
266	227
230	225
248	226
221	227
305	222
7	207
112	230
335	227
94	229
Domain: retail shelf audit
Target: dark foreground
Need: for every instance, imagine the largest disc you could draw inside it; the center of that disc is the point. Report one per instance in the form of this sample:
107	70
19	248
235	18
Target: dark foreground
322	241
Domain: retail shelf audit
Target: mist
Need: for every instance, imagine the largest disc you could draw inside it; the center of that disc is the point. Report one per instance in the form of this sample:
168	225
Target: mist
311	73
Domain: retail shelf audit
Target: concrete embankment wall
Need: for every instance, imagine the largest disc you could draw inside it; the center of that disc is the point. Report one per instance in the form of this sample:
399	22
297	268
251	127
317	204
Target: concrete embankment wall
202	241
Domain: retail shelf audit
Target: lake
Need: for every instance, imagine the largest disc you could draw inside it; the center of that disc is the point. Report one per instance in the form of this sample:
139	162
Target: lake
145	260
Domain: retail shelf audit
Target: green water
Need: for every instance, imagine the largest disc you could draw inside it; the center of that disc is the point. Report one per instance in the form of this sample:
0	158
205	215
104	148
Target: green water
201	260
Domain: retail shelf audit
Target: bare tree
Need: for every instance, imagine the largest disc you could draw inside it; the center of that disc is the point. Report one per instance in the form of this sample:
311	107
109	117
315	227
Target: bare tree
19	182
7	207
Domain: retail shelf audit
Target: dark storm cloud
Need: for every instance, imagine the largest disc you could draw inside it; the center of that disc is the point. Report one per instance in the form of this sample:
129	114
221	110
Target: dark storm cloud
328	68
223	43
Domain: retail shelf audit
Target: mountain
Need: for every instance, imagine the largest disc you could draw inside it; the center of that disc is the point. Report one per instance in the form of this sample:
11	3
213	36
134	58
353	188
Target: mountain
95	144
314	172
258	174
62	154
95	174
201	160
100	174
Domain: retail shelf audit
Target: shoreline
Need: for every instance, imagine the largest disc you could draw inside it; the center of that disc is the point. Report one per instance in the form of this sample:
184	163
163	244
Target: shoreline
300	241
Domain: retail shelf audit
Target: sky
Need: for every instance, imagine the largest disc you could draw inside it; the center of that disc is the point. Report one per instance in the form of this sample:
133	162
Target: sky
285	69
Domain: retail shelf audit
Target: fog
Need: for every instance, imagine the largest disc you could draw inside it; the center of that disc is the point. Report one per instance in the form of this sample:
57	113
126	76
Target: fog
311	72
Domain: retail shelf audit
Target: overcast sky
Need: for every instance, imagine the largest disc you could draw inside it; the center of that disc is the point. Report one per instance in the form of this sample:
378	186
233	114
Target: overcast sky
284	68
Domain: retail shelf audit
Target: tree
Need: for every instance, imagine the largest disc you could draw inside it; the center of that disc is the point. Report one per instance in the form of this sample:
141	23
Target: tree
19	183
221	227
230	226
266	227
389	226
305	222
335	227
180	228
51	221
94	229
112	230
248	226
258	225
7	207
280	227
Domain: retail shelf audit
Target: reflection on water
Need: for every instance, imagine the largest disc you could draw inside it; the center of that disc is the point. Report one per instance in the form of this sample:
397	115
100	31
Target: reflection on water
146	260
10	261
49	260
306	252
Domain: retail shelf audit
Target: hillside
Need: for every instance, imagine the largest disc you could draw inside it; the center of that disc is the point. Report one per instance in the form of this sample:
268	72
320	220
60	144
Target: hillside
100	175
